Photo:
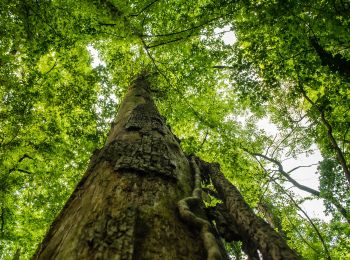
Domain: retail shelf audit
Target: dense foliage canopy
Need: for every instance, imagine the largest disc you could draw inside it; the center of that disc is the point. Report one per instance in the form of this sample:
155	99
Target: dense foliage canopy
289	62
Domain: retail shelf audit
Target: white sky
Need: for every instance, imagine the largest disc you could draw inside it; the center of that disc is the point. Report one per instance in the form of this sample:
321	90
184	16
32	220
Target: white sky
228	36
96	61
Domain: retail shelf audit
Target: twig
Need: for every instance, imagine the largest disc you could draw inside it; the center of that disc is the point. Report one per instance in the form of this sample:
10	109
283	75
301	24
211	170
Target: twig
144	9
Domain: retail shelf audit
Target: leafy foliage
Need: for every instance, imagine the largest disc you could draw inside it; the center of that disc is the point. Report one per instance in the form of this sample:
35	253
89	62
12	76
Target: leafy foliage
289	64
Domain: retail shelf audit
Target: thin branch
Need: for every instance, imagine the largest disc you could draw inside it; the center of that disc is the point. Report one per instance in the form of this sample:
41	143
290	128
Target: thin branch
223	67
203	142
268	148
163	43
24	171
344	138
2	219
282	141
13	138
19	170
286	175
316	193
309	219
301	166
296	229
54	65
145	8
107	24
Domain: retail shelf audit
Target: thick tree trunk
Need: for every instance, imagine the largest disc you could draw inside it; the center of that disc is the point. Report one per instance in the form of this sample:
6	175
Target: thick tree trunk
250	227
126	205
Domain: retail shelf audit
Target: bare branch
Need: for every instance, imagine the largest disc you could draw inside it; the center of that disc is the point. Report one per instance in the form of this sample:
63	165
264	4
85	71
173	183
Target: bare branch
301	166
286	175
316	193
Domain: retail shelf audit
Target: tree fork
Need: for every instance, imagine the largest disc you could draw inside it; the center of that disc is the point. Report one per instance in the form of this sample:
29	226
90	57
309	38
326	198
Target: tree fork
125	207
270	244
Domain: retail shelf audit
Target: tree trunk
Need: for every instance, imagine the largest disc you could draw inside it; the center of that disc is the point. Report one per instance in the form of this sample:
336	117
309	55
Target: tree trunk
249	226
125	207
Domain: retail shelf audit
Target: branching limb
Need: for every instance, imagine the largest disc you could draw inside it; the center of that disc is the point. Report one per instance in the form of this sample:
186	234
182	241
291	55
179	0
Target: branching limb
316	193
285	174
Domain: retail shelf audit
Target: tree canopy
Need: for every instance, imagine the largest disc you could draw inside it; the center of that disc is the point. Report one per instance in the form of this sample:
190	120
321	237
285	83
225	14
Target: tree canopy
290	63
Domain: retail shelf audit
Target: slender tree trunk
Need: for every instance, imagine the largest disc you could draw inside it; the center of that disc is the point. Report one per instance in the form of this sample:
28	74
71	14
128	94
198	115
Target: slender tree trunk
125	207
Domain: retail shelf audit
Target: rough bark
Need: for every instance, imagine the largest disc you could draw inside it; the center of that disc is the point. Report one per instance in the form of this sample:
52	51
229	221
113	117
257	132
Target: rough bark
251	227
227	228
125	207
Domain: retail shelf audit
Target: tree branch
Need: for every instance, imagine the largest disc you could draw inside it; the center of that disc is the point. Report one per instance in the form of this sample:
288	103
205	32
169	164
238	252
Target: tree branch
316	193
325	122
145	8
223	67
286	175
301	166
309	219
163	43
